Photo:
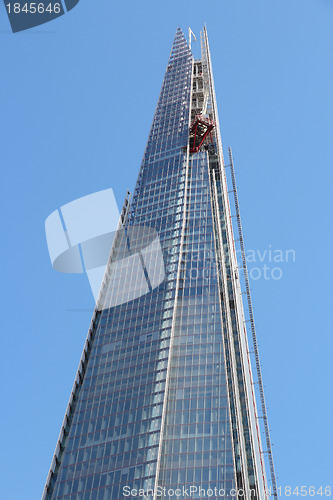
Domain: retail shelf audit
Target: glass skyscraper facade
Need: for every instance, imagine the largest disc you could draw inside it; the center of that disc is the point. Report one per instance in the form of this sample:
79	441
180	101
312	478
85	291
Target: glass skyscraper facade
163	399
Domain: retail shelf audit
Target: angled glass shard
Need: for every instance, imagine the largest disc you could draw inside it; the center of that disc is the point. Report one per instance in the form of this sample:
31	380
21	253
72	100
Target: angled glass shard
164	395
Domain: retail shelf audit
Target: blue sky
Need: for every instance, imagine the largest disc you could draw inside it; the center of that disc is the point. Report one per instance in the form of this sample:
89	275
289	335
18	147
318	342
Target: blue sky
78	97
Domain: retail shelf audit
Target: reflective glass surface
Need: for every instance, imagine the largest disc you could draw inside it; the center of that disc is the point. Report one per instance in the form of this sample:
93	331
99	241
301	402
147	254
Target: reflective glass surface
163	399
197	447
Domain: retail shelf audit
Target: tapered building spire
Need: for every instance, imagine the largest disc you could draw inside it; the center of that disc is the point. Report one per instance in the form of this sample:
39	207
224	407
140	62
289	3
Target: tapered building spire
164	399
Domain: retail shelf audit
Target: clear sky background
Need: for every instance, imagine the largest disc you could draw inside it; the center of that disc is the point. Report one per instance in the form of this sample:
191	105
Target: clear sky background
77	101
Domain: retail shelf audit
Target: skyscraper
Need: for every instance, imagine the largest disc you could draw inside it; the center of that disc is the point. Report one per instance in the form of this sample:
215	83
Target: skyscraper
163	401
